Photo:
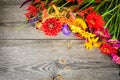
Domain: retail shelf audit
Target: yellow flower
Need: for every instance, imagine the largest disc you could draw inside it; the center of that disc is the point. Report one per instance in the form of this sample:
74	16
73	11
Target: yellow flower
38	25
88	45
80	23
85	34
97	44
75	29
92	35
92	42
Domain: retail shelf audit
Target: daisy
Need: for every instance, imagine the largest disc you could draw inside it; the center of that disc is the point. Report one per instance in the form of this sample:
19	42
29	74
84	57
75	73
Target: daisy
95	21
51	26
106	48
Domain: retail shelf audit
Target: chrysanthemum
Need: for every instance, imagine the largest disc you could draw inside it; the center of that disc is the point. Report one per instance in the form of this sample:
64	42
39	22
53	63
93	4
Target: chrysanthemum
51	26
95	21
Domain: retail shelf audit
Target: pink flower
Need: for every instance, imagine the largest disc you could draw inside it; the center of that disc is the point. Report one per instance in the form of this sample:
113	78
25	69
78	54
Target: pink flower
116	58
103	33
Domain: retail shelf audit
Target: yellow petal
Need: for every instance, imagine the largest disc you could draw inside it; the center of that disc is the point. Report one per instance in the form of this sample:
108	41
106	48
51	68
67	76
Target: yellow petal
81	23
38	25
88	45
98	44
75	29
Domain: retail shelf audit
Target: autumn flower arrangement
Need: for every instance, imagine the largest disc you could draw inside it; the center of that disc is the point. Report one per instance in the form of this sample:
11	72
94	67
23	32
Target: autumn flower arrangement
95	21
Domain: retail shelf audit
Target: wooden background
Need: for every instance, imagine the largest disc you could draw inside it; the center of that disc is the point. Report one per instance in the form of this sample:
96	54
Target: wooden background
27	54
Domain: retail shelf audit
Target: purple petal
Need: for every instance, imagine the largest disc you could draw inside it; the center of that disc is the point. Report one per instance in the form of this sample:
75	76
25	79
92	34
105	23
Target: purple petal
116	45
33	20
66	30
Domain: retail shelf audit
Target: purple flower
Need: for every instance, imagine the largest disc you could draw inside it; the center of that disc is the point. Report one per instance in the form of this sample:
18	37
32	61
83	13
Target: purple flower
66	29
33	20
116	45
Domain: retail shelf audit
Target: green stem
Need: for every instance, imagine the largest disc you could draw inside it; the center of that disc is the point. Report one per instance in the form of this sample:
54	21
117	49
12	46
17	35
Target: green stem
23	26
116	22
110	10
113	37
87	4
63	5
98	7
115	28
110	28
118	29
46	1
106	25
111	4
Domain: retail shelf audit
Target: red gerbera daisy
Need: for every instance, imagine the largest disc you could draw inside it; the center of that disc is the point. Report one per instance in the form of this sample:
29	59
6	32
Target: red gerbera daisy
85	12
51	26
106	48
95	21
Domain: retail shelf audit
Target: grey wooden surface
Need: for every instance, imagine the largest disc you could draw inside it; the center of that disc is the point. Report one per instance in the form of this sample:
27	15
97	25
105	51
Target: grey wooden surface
27	54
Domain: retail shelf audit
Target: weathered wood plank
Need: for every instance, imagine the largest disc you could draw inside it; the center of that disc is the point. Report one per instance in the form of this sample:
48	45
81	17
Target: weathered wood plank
11	2
12	13
10	31
24	57
11	18
43	59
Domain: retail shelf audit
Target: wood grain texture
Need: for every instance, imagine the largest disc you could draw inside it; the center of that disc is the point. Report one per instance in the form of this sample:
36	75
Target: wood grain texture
10	31
12	13
39	60
11	2
27	54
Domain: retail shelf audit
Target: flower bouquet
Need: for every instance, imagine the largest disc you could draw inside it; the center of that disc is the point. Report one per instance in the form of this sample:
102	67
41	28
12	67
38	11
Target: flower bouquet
95	21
